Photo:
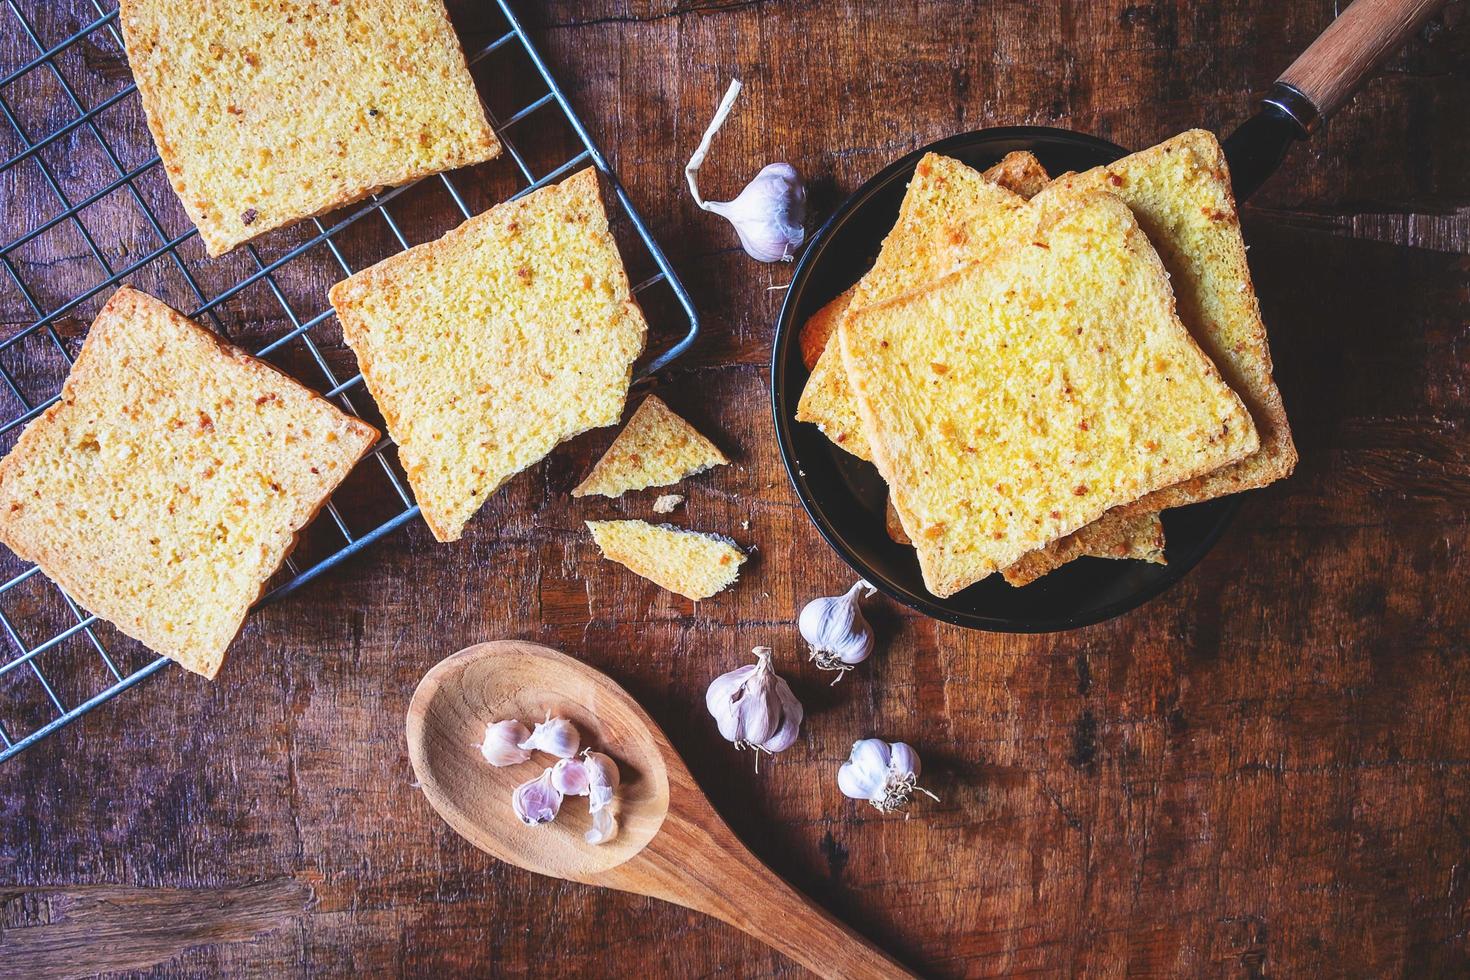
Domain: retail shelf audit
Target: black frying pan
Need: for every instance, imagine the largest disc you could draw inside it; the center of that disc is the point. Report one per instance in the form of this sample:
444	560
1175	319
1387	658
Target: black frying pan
845	497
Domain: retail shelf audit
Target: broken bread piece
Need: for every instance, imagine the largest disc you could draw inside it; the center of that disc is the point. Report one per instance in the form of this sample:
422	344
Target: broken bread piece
169	481
268	113
693	564
1143	540
655	449
488	347
1024	396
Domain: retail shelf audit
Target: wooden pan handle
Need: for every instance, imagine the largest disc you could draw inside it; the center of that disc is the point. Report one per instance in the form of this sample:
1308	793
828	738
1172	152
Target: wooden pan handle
1351	47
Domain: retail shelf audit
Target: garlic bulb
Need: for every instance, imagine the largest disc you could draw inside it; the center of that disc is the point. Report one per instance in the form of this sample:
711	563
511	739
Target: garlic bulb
836	630
502	743
603	779
769	213
604	827
885	774
569	776
554	735
536	801
754	707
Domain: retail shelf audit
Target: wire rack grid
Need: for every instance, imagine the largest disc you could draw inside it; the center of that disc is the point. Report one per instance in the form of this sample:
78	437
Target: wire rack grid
40	623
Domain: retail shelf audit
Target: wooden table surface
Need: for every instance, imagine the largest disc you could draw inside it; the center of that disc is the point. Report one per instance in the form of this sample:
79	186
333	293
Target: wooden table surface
1261	773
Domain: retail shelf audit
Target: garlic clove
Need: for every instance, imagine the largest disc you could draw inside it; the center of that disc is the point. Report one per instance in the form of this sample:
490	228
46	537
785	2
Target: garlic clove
502	743
603	779
836	630
604	827
570	777
903	759
791	716
556	736
536	801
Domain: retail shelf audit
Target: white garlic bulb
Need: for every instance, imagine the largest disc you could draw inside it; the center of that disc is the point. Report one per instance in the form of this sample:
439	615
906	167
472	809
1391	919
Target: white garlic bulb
603	779
837	631
554	735
754	707
885	774
536	801
604	827
502	743
569	776
769	214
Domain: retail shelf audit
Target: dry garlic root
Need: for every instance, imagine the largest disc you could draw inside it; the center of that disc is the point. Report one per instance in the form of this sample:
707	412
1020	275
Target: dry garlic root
538	801
755	708
836	630
886	774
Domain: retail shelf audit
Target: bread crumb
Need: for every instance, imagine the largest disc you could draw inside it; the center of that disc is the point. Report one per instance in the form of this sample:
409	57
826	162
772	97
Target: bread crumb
666	503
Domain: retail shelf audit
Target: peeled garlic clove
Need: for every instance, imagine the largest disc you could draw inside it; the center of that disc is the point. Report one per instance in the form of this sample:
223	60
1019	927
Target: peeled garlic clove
502	743
569	776
836	630
536	801
604	827
557	736
603	779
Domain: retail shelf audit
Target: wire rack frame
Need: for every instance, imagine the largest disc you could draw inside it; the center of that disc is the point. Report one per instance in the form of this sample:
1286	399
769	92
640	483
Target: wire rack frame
19	655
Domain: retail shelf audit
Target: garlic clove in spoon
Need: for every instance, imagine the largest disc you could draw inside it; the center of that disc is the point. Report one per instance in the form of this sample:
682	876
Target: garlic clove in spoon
536	801
556	736
502	743
569	776
836	630
603	779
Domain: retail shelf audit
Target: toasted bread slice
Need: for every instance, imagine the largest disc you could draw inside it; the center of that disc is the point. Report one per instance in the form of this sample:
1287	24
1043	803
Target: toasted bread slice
950	214
1022	397
692	564
267	113
488	347
1138	536
169	481
1179	191
655	449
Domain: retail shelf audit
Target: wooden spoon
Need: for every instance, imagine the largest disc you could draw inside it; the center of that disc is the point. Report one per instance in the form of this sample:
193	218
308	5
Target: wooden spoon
671	843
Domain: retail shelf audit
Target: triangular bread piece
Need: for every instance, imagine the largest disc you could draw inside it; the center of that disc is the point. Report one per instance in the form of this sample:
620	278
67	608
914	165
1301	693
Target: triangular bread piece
693	564
655	449
169	481
1026	395
485	349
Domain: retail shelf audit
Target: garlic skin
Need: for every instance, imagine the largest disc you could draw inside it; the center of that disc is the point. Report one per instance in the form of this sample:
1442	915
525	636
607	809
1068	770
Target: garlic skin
604	827
769	214
603	780
536	801
502	743
883	773
556	736
836	630
754	707
569	776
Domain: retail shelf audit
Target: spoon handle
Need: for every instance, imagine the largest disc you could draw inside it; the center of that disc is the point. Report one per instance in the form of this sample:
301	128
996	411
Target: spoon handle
696	861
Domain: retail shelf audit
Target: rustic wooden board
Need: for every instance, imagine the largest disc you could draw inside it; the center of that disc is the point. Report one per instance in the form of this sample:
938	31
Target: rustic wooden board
1261	773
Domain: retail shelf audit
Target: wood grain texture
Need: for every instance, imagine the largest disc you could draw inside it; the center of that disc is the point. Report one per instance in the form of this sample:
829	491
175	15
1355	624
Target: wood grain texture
1260	773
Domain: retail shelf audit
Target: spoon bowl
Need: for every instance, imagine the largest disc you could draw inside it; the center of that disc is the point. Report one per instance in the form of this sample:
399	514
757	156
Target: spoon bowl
671	844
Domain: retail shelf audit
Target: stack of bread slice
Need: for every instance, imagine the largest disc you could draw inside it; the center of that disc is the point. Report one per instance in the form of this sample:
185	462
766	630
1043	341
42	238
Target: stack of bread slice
1037	371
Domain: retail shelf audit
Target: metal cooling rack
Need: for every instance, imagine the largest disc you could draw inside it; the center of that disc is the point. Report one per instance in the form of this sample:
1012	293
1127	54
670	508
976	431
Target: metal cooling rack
83	667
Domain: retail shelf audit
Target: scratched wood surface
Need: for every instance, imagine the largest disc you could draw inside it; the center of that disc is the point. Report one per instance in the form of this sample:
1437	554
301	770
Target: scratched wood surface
1261	773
